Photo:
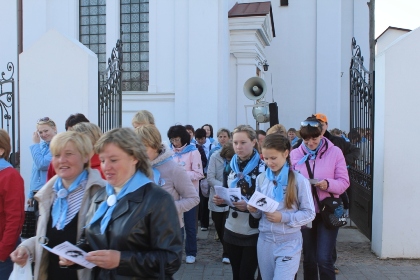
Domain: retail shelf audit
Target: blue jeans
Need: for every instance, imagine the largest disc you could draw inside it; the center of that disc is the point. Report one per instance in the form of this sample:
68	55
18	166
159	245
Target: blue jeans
318	245
6	267
190	226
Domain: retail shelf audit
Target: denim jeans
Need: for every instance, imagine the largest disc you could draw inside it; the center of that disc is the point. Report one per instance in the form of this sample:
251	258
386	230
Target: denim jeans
190	232
6	267
318	245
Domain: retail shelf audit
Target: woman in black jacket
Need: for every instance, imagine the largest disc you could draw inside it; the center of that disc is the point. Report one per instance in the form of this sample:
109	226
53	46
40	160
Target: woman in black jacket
134	232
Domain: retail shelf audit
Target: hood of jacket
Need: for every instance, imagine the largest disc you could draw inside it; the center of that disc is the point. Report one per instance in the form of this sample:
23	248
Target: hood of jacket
164	154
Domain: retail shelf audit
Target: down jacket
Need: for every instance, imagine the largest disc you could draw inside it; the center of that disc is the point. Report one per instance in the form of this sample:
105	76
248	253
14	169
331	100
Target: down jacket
329	164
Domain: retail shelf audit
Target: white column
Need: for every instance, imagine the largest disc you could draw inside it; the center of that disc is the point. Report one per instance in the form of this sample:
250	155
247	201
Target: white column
396	192
328	58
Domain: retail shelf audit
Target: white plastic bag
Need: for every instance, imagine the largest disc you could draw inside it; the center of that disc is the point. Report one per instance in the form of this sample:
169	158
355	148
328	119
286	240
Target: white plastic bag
21	273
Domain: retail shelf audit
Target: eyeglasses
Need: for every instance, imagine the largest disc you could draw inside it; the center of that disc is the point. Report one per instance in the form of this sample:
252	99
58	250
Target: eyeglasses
175	140
45	119
310	123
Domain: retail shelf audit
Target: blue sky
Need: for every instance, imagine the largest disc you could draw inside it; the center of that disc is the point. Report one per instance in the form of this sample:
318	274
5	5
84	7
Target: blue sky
396	13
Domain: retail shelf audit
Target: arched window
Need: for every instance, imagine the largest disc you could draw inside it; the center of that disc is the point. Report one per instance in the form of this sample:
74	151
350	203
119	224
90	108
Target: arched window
92	28
135	39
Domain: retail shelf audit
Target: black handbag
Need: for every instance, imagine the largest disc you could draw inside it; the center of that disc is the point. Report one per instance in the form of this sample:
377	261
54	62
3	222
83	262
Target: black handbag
29	225
331	208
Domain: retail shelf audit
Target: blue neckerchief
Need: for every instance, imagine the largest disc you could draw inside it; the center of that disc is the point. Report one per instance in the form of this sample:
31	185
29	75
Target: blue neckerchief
248	168
61	206
279	181
186	149
137	181
193	141
310	153
218	147
211	139
294	140
4	164
156	174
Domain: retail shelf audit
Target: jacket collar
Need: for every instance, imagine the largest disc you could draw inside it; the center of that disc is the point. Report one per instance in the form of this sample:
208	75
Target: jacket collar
46	193
166	152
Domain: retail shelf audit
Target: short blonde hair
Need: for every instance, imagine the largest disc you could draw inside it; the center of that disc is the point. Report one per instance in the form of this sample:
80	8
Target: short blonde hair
150	136
129	142
47	121
5	144
277	128
81	142
90	129
143	117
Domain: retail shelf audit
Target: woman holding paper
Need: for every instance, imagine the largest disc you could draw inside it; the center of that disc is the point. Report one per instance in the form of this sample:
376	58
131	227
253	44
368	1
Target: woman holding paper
63	203
324	164
241	228
134	232
280	230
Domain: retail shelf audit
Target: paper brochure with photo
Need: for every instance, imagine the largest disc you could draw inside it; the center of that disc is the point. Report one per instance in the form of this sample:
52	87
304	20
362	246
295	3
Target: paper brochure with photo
70	252
263	202
228	194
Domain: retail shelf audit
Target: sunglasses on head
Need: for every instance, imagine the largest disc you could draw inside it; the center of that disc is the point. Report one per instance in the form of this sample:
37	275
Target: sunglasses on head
45	119
310	123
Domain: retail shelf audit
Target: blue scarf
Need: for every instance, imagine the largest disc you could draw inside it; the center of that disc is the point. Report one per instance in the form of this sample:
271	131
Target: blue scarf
211	139
107	207
248	168
61	206
156	174
279	181
310	153
186	149
4	164
294	141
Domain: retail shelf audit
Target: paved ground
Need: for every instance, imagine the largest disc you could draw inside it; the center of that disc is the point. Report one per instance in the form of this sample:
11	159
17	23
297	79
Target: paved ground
355	260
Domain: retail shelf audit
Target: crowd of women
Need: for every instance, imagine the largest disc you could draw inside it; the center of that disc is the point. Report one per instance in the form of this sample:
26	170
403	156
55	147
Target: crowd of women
131	202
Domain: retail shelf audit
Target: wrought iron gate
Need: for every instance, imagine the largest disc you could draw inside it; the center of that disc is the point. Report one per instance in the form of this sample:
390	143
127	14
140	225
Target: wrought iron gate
362	98
7	109
110	93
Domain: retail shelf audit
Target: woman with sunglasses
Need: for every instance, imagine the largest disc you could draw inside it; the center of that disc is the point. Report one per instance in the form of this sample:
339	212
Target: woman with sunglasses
188	157
241	228
41	156
323	163
63	204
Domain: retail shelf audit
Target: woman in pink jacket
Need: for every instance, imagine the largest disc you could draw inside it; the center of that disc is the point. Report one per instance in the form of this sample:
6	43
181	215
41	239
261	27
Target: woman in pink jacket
188	157
319	159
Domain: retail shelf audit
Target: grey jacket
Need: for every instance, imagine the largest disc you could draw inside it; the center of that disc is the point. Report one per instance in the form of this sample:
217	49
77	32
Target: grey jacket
215	178
302	212
177	183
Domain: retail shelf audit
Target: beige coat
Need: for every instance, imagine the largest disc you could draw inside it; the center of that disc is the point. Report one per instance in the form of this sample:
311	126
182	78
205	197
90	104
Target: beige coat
45	198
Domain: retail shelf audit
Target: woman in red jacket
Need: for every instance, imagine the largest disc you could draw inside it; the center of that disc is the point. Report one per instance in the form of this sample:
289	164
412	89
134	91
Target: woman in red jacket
11	206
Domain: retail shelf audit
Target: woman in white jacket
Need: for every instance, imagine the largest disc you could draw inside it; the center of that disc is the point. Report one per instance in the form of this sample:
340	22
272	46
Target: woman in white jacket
217	174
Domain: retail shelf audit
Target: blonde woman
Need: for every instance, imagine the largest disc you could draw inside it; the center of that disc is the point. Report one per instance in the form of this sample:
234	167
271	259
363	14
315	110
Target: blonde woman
63	204
41	156
142	117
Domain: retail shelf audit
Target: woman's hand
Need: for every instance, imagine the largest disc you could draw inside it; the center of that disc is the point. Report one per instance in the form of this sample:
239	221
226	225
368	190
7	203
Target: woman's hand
30	202
35	137
241	205
20	256
322	185
218	200
273	217
107	259
251	208
65	262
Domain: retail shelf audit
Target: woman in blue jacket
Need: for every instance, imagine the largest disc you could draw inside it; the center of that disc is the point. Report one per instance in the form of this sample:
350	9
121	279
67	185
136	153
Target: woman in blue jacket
41	155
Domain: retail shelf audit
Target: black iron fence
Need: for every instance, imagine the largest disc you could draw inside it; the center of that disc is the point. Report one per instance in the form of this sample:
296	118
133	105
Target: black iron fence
362	105
8	120
110	93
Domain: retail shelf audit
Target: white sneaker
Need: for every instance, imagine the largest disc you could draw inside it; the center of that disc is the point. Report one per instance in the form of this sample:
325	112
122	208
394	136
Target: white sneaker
190	259
226	260
204	229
